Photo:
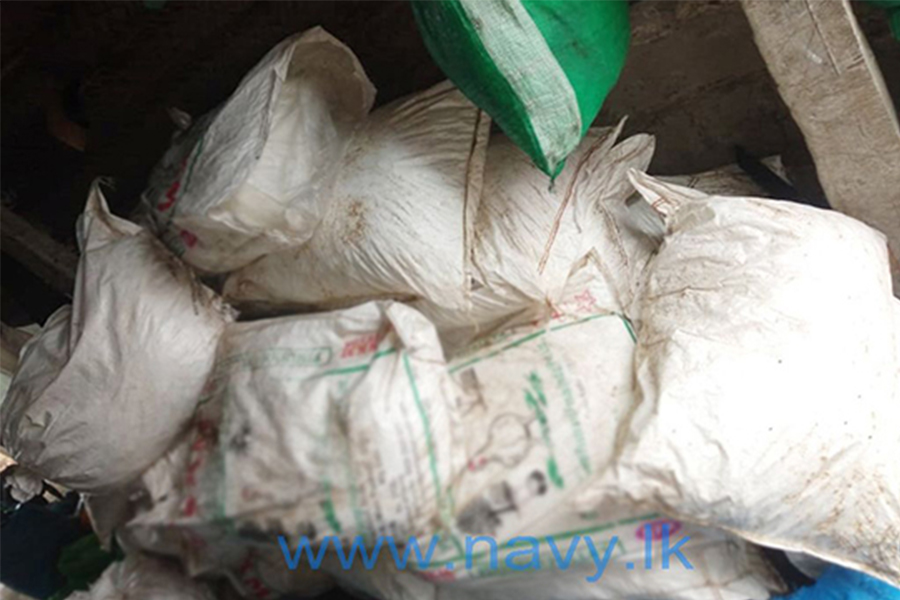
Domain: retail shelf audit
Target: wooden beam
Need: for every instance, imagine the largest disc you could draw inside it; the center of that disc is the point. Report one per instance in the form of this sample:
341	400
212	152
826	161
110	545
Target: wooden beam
826	74
53	262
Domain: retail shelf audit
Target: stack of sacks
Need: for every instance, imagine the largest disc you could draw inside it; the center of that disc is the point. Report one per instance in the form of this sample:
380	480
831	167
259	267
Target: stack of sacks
110	381
410	190
541	405
557	266
469	255
252	176
554	368
351	423
768	372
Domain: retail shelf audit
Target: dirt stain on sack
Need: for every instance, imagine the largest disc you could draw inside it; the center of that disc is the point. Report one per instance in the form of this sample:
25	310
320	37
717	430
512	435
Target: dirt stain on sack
203	299
355	226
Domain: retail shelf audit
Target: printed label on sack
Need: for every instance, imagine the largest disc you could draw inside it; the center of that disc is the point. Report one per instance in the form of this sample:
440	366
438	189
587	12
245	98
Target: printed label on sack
321	441
534	401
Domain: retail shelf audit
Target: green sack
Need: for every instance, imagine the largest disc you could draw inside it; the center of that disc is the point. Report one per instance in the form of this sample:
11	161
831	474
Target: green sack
82	563
540	68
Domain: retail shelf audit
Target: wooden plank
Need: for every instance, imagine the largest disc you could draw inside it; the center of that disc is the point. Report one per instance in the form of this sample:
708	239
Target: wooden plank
53	262
832	85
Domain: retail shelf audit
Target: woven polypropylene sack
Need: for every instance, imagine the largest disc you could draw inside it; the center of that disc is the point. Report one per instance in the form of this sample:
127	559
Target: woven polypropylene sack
530	237
767	369
340	423
399	221
108	384
540	68
253	175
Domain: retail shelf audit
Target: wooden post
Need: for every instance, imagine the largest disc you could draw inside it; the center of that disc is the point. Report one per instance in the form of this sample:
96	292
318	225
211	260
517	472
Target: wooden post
53	262
829	79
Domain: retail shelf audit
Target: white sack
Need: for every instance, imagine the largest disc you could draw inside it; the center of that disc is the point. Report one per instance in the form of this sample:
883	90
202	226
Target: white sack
144	578
399	222
253	175
531	236
293	446
108	384
646	226
524	247
330	424
622	235
767	370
